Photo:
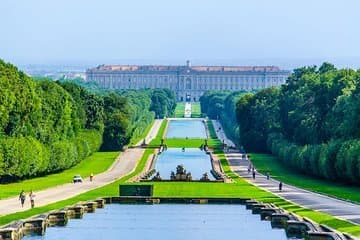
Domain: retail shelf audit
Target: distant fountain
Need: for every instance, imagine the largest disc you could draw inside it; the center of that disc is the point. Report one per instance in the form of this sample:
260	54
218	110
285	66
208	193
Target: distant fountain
181	174
205	178
157	177
172	176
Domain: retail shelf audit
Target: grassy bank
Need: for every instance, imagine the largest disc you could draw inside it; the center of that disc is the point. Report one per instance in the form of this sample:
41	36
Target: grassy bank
195	110
190	143
211	129
269	163
179	110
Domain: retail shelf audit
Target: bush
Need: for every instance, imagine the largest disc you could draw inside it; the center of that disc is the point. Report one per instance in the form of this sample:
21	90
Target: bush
63	156
327	159
22	157
347	162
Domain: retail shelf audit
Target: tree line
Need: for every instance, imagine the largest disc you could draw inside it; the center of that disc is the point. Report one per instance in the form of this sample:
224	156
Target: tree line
311	122
221	105
129	112
48	126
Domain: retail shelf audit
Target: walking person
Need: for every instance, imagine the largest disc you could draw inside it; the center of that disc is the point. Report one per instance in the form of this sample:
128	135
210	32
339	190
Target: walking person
91	177
32	198
268	176
253	173
280	186
22	197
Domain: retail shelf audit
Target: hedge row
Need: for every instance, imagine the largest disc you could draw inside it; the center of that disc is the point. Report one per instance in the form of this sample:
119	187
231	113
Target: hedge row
24	157
335	160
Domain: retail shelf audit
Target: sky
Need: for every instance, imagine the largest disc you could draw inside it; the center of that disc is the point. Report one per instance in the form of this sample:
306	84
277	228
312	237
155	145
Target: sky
229	32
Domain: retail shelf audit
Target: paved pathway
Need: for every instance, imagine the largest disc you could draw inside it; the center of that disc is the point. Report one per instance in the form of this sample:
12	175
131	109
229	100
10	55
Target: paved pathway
187	111
152	133
124	164
221	134
332	206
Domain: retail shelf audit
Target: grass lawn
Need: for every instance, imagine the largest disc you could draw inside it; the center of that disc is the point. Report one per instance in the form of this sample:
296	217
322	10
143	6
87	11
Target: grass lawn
269	163
211	129
96	163
190	143
195	110
179	110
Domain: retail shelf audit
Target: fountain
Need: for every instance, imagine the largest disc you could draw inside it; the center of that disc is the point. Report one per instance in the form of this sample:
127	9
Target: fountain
205	178
181	174
157	177
196	161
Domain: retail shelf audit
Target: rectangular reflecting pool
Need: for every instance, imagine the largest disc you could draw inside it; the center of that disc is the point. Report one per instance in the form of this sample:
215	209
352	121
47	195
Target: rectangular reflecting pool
194	160
186	129
166	221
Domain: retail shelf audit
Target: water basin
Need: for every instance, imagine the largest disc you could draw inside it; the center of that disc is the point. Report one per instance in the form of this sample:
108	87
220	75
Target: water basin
186	129
166	221
193	159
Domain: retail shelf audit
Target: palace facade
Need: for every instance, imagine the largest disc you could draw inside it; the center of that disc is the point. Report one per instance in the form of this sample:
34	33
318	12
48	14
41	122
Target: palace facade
188	82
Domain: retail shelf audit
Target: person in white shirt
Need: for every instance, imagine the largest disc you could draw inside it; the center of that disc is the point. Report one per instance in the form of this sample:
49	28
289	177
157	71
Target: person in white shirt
32	200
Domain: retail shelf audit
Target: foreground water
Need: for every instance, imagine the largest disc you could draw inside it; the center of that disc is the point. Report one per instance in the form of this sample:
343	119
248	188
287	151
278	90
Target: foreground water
166	221
194	160
186	129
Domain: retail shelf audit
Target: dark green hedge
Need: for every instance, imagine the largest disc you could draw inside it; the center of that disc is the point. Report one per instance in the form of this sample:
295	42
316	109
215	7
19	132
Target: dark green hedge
335	160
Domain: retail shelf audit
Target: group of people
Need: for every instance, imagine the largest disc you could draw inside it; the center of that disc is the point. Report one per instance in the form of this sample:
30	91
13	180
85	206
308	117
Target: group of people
22	198
252	169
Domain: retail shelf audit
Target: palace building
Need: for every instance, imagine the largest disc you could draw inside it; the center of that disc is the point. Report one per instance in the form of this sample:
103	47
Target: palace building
188	82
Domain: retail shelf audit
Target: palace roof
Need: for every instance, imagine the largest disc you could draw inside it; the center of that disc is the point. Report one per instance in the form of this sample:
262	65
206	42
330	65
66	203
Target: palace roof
174	68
